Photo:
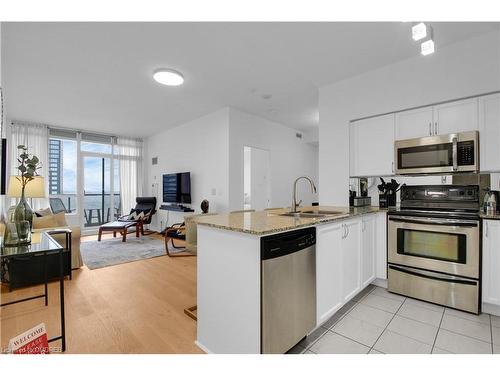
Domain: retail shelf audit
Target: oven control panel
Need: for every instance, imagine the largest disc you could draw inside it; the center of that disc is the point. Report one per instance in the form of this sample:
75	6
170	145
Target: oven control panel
432	193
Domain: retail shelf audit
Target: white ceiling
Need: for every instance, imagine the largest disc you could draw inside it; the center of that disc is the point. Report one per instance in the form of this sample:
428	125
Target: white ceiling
97	76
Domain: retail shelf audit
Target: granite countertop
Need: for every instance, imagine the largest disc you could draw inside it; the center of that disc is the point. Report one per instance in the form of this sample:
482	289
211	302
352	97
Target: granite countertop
268	222
496	216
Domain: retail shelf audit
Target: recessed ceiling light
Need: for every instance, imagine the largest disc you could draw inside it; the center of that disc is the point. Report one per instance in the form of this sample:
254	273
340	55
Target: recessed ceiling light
168	77
427	47
419	31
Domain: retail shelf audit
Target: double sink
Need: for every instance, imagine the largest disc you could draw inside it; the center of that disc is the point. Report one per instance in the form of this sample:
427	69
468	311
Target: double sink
313	214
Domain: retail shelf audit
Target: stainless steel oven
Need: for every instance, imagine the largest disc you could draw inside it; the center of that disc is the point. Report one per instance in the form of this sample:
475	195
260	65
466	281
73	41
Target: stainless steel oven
435	244
448	153
434	253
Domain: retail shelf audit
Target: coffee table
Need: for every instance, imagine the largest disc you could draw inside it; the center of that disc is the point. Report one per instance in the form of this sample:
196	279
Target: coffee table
122	228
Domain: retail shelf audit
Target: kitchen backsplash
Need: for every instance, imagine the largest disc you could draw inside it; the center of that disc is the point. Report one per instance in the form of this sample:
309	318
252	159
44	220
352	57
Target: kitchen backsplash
492	180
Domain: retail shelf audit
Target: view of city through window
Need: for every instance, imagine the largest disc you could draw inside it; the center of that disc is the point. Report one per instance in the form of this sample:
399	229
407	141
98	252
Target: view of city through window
62	175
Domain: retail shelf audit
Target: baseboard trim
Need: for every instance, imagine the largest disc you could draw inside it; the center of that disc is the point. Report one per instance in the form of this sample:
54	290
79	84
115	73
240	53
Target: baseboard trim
490	309
202	347
380	282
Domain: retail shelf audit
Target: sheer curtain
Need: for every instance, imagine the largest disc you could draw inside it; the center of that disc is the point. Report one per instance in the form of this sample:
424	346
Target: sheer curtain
36	138
128	151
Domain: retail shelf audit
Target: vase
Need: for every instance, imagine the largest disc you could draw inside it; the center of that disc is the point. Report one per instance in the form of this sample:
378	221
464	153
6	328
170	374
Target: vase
22	217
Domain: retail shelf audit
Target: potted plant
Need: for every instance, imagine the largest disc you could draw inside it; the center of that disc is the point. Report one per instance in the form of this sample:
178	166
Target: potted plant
21	218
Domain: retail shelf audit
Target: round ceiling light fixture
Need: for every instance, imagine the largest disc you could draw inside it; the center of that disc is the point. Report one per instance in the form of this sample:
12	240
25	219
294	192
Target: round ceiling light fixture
168	77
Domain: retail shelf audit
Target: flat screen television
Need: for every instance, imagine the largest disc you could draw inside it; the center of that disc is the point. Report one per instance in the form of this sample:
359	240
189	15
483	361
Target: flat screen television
177	187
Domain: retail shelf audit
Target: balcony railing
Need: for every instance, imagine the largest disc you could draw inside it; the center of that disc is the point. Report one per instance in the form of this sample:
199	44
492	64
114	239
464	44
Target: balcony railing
96	207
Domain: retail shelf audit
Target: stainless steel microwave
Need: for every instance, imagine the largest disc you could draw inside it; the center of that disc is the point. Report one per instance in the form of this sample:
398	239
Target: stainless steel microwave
449	153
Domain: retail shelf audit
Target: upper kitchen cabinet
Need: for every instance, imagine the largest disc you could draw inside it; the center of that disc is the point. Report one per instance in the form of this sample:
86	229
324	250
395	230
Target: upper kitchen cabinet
415	123
372	146
452	117
455	117
489	133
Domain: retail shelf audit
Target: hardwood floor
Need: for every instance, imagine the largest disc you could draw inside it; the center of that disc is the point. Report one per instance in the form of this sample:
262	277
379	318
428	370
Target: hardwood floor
134	307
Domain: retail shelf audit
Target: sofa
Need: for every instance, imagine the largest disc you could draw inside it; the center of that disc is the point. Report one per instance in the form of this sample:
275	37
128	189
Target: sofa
58	221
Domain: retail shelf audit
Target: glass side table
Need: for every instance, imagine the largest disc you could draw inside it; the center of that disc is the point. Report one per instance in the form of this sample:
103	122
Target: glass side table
42	244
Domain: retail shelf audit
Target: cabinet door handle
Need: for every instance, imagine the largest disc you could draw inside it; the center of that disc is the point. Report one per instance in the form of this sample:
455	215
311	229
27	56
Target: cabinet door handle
392	167
347	227
430	128
435	128
486	229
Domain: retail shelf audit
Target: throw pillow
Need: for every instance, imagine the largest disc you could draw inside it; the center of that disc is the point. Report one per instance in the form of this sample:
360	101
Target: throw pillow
60	219
44	222
43	212
137	214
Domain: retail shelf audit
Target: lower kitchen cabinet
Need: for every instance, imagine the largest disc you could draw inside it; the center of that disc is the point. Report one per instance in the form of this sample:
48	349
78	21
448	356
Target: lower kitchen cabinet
351	259
368	247
328	270
346	260
381	246
491	262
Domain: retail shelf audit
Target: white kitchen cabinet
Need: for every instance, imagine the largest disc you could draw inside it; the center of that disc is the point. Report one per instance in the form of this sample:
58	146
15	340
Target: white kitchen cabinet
414	123
489	133
372	146
351	259
368	247
381	247
328	270
455	117
491	262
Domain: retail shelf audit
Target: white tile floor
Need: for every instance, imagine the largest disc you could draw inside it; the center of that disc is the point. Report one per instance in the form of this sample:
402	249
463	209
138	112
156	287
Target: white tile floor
382	322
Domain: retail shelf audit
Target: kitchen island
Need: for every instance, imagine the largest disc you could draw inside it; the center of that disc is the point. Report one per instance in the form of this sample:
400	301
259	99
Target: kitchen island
350	254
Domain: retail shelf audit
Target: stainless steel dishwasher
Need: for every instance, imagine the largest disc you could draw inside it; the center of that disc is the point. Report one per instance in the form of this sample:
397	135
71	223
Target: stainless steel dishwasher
288	289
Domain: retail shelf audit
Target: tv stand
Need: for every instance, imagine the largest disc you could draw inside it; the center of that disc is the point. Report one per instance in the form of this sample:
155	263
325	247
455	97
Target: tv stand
176	207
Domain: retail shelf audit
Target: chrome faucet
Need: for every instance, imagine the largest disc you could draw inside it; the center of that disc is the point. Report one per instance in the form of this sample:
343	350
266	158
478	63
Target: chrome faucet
294	194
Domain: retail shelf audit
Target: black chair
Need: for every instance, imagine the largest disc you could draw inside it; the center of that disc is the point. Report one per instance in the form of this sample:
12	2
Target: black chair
57	205
147	205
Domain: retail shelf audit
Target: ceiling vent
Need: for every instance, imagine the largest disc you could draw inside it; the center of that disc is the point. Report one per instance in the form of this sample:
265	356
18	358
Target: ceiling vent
155	160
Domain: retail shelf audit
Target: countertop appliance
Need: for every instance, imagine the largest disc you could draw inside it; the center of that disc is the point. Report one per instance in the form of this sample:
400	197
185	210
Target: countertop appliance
433	246
288	289
450	153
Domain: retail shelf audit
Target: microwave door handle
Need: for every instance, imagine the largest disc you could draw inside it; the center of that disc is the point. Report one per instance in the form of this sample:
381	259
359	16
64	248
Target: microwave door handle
455	153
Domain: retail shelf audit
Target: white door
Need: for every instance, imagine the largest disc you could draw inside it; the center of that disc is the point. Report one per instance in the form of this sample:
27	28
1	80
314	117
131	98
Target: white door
351	244
328	270
372	146
256	176
454	117
414	123
489	132
368	230
491	261
101	197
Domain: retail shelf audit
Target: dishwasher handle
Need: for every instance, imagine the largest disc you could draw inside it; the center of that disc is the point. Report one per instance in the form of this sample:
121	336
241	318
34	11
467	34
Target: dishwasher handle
282	244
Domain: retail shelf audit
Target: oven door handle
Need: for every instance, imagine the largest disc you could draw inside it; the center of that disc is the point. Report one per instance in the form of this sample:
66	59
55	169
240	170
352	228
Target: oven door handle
433	275
450	222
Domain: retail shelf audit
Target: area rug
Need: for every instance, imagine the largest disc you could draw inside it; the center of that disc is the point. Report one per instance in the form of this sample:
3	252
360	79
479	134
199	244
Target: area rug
113	251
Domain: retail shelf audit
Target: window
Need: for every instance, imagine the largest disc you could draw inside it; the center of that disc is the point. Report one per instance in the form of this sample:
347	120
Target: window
62	171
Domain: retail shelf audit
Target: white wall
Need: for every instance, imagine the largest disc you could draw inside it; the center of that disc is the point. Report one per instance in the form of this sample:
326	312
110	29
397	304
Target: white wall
461	69
211	148
200	147
290	157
